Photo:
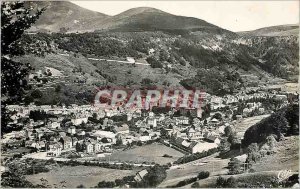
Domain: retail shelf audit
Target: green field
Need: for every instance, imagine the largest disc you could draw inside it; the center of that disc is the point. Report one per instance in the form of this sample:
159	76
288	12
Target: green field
71	177
148	153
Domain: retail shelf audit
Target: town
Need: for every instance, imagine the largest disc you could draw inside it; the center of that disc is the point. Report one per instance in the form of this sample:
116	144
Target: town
90	131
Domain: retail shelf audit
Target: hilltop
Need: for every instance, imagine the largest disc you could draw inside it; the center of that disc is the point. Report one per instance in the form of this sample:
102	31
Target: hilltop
281	30
63	16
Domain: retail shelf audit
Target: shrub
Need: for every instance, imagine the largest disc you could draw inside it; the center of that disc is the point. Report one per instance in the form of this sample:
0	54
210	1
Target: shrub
234	166
166	155
154	62
226	183
185	182
195	185
105	184
36	94
203	175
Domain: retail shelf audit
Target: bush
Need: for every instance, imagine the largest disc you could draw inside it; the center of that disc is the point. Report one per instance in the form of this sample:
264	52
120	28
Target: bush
154	62
234	166
105	184
185	182
226	183
195	185
167	156
36	94
155	176
203	175
146	81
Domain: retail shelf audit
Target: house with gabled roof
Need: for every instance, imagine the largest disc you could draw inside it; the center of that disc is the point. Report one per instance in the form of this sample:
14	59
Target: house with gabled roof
66	142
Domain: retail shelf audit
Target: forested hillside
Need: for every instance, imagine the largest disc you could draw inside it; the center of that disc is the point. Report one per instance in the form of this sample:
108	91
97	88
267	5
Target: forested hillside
255	55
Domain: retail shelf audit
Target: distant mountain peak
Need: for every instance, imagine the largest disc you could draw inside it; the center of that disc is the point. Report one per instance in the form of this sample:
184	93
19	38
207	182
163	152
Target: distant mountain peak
140	10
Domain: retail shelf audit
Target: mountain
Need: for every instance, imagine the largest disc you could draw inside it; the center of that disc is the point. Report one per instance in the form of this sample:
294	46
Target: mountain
281	30
150	19
63	16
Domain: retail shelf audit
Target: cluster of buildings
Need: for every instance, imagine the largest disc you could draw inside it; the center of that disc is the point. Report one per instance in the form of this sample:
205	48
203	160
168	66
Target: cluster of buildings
89	129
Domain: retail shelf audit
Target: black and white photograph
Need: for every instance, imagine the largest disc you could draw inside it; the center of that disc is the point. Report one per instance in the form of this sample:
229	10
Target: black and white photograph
150	94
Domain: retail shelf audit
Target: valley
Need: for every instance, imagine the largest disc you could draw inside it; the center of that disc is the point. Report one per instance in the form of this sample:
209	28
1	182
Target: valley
70	119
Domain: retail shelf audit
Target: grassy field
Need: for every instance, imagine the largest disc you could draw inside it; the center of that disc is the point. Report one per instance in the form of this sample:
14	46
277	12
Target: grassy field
214	165
286	157
245	178
148	153
71	177
244	124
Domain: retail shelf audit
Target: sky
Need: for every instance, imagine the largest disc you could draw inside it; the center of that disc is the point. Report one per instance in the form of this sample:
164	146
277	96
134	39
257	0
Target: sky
231	15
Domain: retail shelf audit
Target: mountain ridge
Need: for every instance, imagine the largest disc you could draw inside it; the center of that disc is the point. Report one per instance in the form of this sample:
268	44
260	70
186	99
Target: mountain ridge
67	17
277	30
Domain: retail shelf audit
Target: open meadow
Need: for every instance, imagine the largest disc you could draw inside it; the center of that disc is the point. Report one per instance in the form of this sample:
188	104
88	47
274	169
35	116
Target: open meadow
147	153
214	165
286	156
71	177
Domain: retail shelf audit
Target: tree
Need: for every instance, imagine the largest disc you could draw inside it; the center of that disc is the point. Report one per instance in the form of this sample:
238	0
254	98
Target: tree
226	183
228	131
36	94
233	140
139	143
231	182
221	182
104	140
120	182
154	62
253	148
105	184
224	145
14	179
218	116
271	142
203	175
163	55
155	176
57	88
146	82
15	19
182	61
234	166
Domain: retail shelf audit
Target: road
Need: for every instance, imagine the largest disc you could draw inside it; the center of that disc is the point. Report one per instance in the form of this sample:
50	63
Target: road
119	61
111	60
